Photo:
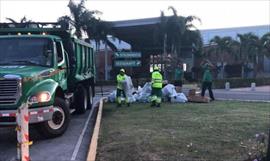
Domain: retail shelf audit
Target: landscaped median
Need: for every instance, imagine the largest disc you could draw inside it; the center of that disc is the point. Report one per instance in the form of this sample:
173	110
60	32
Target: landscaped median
216	131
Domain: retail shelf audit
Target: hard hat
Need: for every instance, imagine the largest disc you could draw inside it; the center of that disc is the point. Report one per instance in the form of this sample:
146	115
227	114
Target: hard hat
156	68
122	70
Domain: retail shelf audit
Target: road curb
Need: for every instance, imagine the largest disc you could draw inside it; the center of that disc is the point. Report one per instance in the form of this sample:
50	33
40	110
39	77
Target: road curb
91	156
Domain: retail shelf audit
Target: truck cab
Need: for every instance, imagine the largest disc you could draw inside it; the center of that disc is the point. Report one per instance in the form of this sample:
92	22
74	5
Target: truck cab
47	69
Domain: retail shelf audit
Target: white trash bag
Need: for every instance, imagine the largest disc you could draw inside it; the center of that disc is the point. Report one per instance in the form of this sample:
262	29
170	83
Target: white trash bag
144	94
112	96
179	98
132	99
169	91
129	89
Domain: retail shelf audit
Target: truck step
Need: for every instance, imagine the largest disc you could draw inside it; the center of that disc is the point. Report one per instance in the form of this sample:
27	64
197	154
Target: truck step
71	111
68	95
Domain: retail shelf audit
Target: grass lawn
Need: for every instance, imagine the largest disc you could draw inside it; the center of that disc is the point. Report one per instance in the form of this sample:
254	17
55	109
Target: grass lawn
187	132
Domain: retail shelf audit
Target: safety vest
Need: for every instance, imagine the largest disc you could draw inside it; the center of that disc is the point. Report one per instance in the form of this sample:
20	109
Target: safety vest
156	80
120	78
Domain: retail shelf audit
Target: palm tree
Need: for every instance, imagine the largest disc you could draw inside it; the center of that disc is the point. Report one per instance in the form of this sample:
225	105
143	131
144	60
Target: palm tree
83	19
174	32
22	20
21	24
265	40
222	46
99	31
80	17
263	47
250	49
164	34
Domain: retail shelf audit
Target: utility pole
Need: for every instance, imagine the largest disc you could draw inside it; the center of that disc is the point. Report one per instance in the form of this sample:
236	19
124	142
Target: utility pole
106	61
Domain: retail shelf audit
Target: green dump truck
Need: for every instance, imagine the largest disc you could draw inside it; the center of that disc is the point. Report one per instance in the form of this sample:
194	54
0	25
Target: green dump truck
42	64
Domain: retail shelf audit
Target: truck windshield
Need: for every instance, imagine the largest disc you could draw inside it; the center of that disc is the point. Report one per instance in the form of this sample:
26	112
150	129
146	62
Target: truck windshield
26	51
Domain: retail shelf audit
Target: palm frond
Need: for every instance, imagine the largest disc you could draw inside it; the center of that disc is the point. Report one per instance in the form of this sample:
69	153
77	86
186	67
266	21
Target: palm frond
11	20
173	10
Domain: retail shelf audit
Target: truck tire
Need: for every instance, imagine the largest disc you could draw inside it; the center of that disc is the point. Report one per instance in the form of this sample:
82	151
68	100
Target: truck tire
81	100
90	98
60	120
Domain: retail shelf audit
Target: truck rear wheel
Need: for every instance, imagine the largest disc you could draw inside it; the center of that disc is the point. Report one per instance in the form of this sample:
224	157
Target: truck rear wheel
90	98
81	100
60	120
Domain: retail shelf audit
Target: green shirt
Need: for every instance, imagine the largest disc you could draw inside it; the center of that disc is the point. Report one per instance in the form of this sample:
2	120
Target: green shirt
207	75
178	74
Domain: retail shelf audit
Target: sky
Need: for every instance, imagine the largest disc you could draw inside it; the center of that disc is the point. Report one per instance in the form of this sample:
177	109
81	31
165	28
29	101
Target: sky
213	13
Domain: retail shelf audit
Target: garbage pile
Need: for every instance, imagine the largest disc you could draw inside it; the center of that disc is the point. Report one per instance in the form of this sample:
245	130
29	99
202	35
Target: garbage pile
129	90
143	94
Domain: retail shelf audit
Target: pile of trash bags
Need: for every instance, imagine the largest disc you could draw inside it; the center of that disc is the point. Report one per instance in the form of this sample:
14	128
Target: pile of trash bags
143	94
169	93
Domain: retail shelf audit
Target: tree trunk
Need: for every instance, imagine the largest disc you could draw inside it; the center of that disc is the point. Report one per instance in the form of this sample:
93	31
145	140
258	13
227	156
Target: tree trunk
111	45
164	55
255	66
222	65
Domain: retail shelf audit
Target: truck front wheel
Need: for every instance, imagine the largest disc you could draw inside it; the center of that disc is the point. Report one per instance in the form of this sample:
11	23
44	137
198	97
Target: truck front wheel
60	120
81	100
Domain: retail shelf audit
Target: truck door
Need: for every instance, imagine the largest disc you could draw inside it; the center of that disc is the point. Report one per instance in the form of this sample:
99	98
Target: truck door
61	65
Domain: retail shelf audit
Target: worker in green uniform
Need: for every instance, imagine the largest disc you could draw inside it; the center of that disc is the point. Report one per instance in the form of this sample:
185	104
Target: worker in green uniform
156	93
207	80
121	80
178	77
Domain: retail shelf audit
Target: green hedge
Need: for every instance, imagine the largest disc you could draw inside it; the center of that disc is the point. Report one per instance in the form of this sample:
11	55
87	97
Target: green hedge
240	82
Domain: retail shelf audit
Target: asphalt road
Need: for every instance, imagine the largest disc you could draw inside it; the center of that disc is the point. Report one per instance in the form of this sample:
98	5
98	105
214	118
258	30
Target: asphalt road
261	94
73	145
242	95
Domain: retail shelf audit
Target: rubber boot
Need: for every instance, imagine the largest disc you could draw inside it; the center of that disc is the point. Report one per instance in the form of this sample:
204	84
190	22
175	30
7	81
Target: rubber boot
119	102
118	105
127	103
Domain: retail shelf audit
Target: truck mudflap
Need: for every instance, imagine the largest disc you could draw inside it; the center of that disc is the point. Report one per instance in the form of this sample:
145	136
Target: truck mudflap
8	117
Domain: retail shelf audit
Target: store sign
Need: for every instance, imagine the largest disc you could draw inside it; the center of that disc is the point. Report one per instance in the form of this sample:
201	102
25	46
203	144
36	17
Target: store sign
127	63
129	55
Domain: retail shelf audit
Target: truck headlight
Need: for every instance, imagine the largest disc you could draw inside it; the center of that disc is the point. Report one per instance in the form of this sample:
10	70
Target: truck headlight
40	97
